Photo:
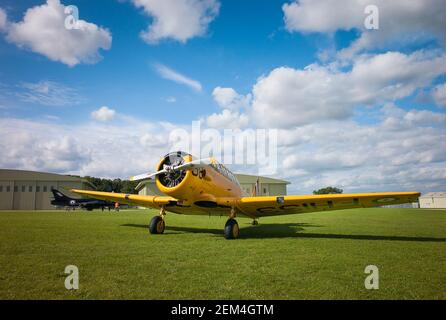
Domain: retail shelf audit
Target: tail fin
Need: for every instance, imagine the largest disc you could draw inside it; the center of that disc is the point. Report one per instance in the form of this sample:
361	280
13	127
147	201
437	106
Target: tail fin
59	195
256	189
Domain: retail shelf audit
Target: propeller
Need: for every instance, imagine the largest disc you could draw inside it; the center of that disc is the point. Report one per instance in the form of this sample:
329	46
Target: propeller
173	170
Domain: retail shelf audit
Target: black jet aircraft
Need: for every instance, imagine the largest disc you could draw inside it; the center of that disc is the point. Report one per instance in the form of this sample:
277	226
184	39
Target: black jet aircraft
62	200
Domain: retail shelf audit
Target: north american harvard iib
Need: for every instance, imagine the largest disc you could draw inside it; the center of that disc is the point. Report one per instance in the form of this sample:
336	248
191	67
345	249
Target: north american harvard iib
206	187
64	201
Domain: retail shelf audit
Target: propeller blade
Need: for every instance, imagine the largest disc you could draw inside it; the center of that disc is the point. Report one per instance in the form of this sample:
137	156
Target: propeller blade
146	176
190	165
166	168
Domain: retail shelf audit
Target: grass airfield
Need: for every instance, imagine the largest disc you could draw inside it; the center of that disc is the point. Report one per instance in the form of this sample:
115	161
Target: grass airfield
309	256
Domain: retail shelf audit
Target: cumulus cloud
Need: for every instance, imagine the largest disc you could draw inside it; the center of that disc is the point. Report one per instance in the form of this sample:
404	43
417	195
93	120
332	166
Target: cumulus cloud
40	147
170	74
234	105
322	16
103	114
180	20
404	151
425	117
95	148
439	95
43	31
399	20
291	97
227	119
228	98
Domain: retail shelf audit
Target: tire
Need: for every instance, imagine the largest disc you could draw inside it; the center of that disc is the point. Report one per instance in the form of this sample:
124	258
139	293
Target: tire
156	225
231	229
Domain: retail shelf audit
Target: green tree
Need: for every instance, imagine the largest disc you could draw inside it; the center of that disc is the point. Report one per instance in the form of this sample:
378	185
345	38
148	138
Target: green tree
128	186
328	190
108	185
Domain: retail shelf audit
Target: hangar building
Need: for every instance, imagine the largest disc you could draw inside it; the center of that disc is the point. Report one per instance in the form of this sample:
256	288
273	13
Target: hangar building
433	200
30	190
268	186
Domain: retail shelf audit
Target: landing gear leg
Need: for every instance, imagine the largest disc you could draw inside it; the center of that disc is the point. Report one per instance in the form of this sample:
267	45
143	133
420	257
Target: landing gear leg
231	227
157	225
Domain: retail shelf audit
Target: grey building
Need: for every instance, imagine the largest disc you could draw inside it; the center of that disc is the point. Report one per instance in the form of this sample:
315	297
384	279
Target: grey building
433	200
268	186
31	190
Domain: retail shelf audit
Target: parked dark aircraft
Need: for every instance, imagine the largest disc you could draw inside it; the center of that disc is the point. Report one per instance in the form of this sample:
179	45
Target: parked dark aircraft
62	200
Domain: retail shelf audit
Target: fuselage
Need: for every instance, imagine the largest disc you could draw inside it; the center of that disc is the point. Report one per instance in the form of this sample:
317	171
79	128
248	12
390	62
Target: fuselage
202	185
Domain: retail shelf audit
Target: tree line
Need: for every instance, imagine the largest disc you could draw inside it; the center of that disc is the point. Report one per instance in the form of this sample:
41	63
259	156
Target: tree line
111	185
328	190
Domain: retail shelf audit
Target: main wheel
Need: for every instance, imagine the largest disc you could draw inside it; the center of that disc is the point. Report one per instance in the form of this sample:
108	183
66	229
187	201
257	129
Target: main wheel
231	229
156	225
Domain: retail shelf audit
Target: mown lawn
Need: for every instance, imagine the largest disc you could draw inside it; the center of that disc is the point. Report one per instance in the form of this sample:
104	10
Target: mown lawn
308	256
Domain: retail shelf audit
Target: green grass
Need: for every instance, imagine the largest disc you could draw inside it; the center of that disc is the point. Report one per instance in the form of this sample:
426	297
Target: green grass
308	256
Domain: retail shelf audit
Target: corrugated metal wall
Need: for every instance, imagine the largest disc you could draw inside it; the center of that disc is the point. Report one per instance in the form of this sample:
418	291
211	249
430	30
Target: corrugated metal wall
432	203
30	195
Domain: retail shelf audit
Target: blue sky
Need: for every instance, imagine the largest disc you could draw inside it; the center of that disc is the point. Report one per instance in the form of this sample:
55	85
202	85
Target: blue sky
307	68
240	46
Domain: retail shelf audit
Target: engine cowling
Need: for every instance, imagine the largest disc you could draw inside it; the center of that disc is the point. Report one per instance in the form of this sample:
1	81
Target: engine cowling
172	178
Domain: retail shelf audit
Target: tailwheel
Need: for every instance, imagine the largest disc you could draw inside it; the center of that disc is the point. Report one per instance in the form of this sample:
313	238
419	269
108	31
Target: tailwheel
255	222
231	229
157	225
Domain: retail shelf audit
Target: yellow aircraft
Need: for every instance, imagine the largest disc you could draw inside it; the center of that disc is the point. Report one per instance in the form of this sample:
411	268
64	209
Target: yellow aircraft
207	187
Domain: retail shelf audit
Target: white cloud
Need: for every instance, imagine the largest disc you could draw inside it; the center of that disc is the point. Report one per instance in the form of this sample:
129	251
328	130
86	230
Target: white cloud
425	117
405	151
228	98
38	146
400	21
103	114
43	31
227	119
3	19
406	155
151	140
48	93
171	99
95	148
439	95
180	20
289	97
233	105
170	74
322	16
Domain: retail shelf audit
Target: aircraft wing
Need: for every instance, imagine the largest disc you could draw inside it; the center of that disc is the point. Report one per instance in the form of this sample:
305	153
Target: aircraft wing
133	199
278	205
